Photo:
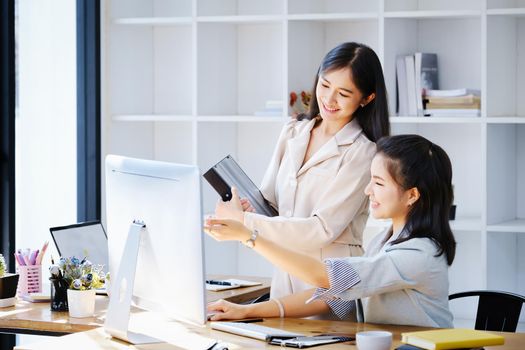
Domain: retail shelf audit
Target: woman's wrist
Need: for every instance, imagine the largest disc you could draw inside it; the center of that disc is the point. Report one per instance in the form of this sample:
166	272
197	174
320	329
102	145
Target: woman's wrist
264	309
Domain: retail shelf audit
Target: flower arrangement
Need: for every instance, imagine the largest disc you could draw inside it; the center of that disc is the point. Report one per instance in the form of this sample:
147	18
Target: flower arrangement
78	274
297	108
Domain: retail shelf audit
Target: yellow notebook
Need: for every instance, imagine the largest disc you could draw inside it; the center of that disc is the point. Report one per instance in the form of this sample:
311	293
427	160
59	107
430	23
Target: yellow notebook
457	338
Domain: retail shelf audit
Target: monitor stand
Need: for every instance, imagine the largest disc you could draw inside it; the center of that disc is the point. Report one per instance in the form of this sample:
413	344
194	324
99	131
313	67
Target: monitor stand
119	309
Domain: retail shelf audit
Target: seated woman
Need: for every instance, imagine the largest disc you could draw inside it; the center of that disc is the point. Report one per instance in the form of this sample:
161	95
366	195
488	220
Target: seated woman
403	277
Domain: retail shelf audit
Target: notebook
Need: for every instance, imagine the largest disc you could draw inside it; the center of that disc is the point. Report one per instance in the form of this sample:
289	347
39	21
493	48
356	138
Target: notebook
227	173
457	338
230	283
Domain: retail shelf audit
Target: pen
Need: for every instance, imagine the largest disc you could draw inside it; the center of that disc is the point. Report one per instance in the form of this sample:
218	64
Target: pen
221	283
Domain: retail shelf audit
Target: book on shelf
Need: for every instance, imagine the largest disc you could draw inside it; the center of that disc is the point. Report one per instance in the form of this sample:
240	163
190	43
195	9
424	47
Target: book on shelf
450	112
455	103
457	338
426	75
465	99
411	84
402	88
451	93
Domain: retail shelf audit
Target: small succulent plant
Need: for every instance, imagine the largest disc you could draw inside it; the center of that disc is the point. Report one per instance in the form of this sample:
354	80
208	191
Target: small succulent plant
2	266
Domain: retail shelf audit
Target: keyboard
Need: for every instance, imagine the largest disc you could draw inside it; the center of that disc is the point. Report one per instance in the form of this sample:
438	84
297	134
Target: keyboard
253	330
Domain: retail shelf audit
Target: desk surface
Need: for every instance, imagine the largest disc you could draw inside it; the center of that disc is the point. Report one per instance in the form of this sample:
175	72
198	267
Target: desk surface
37	318
179	336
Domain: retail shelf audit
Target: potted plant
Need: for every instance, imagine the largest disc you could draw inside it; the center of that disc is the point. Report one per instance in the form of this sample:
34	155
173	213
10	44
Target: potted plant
8	285
81	279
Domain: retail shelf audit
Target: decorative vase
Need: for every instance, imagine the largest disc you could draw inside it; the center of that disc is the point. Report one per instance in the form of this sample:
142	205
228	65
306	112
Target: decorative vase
58	294
81	303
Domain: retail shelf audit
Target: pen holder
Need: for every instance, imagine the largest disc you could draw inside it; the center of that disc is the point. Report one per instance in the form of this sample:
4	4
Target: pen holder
58	295
30	279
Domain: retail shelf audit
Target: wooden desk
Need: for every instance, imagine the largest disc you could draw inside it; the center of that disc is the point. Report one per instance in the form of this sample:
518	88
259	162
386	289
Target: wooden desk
37	318
179	336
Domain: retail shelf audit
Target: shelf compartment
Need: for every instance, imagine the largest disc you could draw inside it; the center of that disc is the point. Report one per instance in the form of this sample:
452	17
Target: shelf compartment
466	224
517	12
505	47
148	75
246	70
455	41
432	6
310	40
493	5
331	6
465	273
150	8
506	262
159	141
517	225
506	120
462	144
505	173
239	7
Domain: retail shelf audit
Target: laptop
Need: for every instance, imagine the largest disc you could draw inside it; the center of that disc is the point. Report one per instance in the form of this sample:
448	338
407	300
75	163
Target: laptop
83	240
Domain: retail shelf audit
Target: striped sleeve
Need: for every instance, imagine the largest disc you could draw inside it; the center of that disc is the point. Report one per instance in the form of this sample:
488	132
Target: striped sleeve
342	308
341	275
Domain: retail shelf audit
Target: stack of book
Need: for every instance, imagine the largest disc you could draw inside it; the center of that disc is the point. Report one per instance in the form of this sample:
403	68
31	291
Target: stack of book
458	102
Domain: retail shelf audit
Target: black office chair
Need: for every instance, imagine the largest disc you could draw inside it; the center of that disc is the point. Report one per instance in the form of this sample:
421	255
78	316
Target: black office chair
497	311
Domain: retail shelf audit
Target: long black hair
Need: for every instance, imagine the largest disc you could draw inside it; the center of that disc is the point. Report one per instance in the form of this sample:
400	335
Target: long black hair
414	161
368	78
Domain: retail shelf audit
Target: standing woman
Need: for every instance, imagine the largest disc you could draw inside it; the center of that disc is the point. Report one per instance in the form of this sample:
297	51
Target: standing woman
321	165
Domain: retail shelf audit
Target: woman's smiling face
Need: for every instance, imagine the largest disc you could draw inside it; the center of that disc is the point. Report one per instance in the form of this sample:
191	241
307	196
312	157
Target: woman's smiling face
337	95
387	198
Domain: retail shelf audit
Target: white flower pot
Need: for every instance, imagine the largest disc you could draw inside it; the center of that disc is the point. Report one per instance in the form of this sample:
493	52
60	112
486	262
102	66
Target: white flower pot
81	303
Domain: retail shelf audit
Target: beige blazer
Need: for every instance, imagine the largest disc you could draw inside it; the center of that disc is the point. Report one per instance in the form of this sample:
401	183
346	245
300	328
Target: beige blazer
322	206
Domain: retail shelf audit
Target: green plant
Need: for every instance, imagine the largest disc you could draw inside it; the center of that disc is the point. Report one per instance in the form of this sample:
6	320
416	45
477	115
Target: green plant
2	266
78	274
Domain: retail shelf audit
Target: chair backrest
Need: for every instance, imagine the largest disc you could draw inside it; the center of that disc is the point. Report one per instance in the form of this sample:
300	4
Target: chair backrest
497	311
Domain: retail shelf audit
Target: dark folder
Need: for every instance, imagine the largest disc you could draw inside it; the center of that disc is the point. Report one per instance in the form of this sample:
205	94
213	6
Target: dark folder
227	173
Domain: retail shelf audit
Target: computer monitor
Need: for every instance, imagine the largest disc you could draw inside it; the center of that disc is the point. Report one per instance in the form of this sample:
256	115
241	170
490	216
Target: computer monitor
166	248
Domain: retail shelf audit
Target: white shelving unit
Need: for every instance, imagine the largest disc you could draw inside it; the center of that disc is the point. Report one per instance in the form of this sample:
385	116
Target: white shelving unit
183	80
